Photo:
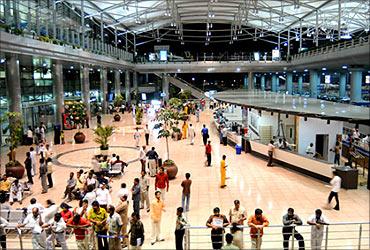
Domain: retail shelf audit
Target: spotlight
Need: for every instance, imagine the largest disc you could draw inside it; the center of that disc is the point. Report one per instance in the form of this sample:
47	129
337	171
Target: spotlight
328	122
305	118
286	116
250	109
259	112
272	113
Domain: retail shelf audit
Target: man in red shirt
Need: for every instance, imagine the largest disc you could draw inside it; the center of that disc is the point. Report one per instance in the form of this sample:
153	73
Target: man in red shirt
161	182
257	222
79	225
208	153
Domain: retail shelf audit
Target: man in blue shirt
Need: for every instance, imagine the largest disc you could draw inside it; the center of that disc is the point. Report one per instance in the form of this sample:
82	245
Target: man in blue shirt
205	134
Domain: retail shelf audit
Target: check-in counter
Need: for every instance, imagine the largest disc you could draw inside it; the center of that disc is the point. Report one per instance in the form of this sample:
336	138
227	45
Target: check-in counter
312	167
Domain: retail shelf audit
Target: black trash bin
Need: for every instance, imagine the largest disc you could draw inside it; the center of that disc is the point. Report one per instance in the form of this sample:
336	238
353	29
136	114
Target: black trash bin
57	130
159	162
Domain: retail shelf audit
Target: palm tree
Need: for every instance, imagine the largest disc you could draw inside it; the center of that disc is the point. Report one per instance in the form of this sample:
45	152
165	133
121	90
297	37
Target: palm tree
102	136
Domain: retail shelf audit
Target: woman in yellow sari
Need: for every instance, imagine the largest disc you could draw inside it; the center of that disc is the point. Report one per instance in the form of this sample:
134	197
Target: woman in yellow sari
186	109
184	130
223	171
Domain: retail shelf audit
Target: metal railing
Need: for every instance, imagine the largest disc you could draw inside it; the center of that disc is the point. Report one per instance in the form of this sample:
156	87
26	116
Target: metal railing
335	236
356	42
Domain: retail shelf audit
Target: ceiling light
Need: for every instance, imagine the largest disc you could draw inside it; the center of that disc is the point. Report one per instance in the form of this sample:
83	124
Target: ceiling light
305	70
237	69
193	79
323	69
178	70
344	67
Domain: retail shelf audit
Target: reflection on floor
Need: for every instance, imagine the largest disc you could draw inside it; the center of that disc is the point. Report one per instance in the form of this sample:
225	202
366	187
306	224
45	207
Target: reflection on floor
256	186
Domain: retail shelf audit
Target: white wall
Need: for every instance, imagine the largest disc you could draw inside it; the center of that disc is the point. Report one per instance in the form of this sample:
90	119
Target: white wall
307	131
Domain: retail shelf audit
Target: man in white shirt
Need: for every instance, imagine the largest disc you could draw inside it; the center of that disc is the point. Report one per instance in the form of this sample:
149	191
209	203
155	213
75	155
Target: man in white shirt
191	133
137	136
50	210
335	183
123	191
142	157
237	216
90	196
317	222
103	196
310	151
147	134
33	204
34	221
15	192
270	152
33	160
58	229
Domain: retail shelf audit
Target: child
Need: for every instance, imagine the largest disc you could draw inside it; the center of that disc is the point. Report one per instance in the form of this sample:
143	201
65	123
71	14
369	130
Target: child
62	137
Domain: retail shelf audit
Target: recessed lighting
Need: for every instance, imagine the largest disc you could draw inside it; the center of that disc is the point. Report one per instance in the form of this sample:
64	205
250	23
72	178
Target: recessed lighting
305	70
71	67
238	69
324	69
178	70
344	67
193	79
294	71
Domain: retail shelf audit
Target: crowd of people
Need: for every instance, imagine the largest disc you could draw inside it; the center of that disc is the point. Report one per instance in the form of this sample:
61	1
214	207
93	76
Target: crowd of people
101	221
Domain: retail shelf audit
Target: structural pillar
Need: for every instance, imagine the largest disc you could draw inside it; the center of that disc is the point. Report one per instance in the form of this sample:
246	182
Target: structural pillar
274	83
245	82
263	82
58	89
250	81
85	87
117	82
356	85
289	83
165	87
300	84
103	90
342	84
127	86
134	80
13	83
314	81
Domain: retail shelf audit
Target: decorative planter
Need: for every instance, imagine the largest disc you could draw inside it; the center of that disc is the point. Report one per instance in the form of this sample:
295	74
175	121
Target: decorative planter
171	169
138	122
117	117
79	137
14	169
104	151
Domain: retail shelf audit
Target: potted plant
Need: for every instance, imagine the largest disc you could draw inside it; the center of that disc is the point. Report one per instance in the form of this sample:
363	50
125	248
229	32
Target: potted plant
118	101
13	168
102	134
139	115
185	94
168	119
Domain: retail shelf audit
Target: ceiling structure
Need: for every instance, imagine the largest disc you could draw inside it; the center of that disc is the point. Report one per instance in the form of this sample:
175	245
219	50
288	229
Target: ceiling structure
247	19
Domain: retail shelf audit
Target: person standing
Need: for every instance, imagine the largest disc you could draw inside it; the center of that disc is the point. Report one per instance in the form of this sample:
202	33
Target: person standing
34	222
3	224
336	184
180	228
33	159
256	223
161	182
142	157
310	152
152	160
205	134
144	191
317	222
43	172
156	208
98	119
136	232
49	167
223	171
122	210
29	136
185	184
270	152
191	134
136	196
58	228
217	222
80	225
209	153
290	220
229	243
114	229
28	166
184	130
71	184
147	134
337	148
137	137
197	114
103	196
98	217
237	216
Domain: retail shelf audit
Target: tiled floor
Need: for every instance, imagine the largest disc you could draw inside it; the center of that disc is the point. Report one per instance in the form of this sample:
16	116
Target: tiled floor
255	185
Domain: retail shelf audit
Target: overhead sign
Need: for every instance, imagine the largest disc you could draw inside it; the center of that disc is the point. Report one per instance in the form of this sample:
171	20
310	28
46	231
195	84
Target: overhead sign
161	47
163	94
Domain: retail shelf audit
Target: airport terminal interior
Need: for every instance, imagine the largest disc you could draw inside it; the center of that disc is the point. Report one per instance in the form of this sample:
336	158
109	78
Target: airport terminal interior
184	124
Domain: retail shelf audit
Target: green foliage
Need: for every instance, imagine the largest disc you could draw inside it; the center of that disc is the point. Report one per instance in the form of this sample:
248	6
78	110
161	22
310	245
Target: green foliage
102	134
168	162
118	100
185	95
139	115
15	129
175	103
18	32
44	39
76	109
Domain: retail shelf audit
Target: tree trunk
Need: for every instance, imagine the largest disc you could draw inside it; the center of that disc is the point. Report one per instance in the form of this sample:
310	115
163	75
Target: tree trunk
168	151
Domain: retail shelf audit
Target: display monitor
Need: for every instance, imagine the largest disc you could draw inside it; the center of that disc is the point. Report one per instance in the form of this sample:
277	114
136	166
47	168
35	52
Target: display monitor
275	55
163	55
327	78
151	56
256	56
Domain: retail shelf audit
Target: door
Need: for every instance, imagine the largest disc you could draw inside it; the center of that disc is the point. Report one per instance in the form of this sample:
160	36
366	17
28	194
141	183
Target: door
322	141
